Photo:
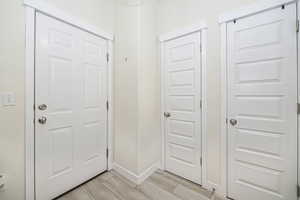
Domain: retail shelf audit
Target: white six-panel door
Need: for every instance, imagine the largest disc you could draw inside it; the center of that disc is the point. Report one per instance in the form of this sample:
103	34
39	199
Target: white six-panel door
71	115
262	106
182	94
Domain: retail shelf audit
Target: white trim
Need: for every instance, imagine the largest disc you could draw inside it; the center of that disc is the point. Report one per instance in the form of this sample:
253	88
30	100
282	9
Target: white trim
110	117
183	31
298	65
125	173
29	102
223	145
137	179
205	182
148	172
47	9
203	31
252	9
162	105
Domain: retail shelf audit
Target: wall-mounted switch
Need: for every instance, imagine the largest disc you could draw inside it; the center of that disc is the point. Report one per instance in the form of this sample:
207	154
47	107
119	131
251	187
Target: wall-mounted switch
8	99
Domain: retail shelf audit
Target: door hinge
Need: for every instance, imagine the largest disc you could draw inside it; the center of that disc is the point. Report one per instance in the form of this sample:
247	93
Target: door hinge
200	104
106	153
107	105
201	161
226	121
297	26
298	108
107	57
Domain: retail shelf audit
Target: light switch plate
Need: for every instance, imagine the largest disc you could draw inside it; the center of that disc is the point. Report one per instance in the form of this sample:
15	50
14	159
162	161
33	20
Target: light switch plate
8	99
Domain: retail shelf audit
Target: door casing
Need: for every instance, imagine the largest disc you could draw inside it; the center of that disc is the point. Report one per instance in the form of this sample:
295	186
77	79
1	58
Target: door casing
31	7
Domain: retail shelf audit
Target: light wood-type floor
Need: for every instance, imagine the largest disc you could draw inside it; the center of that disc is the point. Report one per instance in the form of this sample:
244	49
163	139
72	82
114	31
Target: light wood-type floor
159	186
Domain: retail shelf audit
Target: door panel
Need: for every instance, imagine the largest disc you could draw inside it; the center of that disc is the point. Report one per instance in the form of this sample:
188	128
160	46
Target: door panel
262	90
93	121
71	81
182	100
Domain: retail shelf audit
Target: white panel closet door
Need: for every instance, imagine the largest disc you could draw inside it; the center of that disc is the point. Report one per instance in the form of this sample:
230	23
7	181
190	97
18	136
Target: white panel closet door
262	90
182	83
92	135
70	136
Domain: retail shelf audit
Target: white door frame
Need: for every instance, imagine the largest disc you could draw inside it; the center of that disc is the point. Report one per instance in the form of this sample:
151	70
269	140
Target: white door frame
298	47
202	28
31	7
224	19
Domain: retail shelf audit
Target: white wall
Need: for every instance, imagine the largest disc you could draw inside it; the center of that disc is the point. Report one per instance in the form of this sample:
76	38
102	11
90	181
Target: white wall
137	136
12	51
148	90
126	84
174	14
97	12
12	80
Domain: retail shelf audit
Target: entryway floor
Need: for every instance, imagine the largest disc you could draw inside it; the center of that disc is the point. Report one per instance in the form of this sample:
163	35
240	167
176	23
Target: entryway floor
159	186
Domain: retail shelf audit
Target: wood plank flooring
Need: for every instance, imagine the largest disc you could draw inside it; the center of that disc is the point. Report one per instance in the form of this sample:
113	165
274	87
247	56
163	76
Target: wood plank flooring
159	186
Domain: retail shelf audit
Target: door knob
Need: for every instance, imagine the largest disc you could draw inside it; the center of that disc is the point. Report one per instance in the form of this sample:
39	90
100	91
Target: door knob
42	107
233	122
167	114
42	120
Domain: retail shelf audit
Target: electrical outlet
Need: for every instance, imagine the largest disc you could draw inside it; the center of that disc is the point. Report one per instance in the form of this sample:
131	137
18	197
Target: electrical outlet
2	182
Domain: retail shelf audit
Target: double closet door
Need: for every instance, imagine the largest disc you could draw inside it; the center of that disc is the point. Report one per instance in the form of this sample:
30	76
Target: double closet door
262	106
70	107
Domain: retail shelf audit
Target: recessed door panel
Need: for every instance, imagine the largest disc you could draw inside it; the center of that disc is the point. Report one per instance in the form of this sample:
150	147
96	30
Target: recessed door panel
182	128
61	150
92	137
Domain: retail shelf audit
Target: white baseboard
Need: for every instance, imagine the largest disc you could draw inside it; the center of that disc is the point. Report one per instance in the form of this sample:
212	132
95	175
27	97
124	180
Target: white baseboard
148	172
136	178
125	172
